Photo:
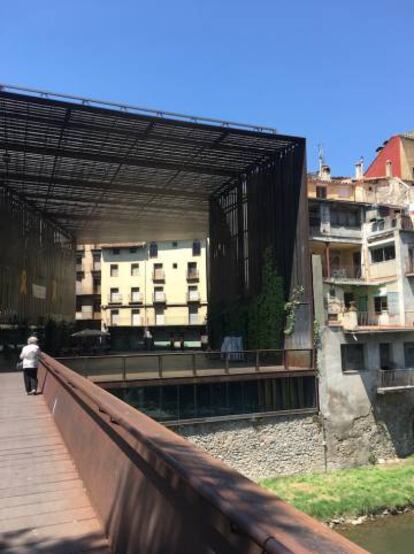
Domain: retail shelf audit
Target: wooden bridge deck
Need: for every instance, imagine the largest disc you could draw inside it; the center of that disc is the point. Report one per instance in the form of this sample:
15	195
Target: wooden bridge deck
44	507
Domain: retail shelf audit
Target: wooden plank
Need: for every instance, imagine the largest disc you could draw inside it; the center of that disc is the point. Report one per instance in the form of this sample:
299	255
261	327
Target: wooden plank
43	504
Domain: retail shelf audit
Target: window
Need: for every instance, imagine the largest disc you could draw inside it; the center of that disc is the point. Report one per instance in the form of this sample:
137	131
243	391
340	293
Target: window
113	268
348	298
115	251
193	293
158	274
380	304
134	270
321	192
385	355
409	354
345	218
159	294
96	305
383	253
114	295
192	271
135	318
96	256
114	317
159	315
193	315
332	292
96	286
133	250
174	244
79	276
153	250
314	216
79	259
352	357
135	294
196	248
175	266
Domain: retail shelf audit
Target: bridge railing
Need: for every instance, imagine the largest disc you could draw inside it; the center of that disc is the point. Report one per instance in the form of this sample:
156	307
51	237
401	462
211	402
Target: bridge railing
155	492
157	365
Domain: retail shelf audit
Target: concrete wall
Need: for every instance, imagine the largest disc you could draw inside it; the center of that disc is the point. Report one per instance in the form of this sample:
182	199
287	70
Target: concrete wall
262	447
361	425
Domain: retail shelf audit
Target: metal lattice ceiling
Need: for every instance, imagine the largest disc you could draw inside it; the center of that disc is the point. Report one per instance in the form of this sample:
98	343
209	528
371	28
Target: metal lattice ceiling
108	173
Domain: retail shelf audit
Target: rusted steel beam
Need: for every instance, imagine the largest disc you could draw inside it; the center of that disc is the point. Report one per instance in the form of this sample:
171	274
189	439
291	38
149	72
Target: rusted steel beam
155	492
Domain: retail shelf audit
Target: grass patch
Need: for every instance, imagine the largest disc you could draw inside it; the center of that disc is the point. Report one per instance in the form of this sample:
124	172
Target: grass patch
348	492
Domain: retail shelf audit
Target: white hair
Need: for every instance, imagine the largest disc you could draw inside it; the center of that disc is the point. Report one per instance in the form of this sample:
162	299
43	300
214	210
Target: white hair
32	340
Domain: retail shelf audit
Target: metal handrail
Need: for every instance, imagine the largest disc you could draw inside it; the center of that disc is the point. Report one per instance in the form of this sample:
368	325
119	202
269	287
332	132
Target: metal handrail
241	522
229	361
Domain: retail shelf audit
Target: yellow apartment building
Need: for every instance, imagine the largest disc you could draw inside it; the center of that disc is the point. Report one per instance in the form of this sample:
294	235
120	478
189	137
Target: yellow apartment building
160	286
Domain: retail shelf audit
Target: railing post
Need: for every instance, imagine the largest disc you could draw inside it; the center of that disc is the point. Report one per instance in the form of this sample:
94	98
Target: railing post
227	362
257	360
193	364
123	369
159	365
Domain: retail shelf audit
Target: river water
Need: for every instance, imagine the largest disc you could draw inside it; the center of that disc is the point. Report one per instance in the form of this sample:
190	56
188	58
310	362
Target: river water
389	535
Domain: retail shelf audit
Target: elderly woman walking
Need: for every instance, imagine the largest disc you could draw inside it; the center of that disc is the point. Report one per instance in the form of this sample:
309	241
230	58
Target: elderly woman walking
30	358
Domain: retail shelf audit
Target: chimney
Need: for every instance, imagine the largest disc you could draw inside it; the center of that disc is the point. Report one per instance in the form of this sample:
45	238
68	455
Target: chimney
388	168
359	170
325	173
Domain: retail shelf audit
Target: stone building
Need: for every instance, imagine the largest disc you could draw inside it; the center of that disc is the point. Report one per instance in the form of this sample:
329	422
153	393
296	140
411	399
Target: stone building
362	244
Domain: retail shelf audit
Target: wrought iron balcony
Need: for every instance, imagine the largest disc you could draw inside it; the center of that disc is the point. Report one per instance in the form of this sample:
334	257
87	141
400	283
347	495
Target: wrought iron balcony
192	274
159	297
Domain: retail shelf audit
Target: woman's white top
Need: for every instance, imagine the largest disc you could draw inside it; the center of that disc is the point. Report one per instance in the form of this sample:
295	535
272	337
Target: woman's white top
30	356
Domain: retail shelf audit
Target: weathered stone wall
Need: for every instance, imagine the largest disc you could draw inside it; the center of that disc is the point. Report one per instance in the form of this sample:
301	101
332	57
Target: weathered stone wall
262	447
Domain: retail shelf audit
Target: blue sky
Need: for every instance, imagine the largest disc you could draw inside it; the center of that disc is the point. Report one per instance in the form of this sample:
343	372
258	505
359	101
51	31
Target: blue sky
338	72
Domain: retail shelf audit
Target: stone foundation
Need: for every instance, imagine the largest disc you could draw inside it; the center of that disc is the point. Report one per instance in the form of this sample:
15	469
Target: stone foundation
262	447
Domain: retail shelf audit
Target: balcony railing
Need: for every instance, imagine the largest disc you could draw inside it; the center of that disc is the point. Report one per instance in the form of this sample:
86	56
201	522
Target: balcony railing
193	296
191	364
367	319
79	267
344	272
401	222
192	274
395	379
159	296
115	298
158	275
96	266
135	298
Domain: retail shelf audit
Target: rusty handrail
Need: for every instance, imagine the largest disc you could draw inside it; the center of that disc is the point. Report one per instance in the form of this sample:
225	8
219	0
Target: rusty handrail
241	521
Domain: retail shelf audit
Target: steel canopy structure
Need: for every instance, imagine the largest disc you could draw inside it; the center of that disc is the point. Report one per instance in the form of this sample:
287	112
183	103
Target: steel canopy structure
104	172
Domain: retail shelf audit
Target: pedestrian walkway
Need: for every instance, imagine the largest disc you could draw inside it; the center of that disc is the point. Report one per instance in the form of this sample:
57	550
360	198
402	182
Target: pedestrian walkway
43	504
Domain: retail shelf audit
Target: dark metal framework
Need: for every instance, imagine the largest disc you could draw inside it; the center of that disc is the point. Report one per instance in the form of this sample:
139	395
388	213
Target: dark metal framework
265	209
105	172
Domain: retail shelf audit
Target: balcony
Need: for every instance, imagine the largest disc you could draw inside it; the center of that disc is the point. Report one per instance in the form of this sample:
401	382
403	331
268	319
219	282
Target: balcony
342	233
192	275
79	267
96	267
115	298
159	297
395	380
135	298
193	296
158	275
346	274
390	223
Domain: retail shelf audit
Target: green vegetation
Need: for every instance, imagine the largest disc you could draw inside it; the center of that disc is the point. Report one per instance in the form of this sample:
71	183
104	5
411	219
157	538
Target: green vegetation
266	312
349	492
259	321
